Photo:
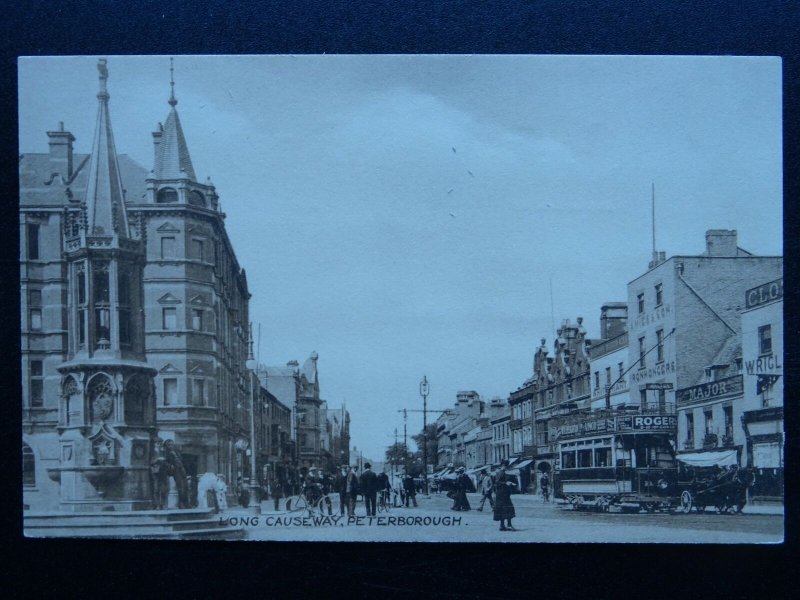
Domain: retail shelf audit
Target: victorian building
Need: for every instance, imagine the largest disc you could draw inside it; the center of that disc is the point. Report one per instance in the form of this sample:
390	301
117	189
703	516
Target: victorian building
675	387
685	343
298	388
135	314
560	385
762	373
453	425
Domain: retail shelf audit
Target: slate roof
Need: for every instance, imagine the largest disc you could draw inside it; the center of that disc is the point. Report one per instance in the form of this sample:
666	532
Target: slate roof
172	157
38	187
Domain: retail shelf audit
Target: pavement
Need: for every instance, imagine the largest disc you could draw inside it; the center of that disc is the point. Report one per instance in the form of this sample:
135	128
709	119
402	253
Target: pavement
536	521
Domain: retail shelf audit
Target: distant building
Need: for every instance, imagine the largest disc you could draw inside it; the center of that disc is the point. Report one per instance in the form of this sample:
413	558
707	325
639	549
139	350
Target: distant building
559	385
684	341
762	410
338	434
501	432
298	388
609	357
454	424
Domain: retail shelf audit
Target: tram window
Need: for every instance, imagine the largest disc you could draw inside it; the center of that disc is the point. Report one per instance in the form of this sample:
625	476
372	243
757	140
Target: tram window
568	460
584	458
602	457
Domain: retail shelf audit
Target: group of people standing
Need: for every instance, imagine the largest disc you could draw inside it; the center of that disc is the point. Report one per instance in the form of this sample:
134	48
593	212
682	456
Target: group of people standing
496	489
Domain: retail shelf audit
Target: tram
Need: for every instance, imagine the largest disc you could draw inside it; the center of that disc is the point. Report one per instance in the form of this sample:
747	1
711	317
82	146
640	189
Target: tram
617	458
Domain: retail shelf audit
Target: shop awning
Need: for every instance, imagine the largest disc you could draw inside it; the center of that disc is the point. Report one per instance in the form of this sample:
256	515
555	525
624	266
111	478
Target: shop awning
513	460
523	464
477	469
724	458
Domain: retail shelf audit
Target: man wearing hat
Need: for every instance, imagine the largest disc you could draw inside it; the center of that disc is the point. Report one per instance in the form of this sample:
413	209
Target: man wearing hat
340	485
463	484
352	485
369	489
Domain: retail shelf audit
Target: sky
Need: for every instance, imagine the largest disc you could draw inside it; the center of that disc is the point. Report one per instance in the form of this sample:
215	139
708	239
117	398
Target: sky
415	215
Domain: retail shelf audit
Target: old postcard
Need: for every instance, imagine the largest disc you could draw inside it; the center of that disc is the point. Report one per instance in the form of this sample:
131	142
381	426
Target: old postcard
421	298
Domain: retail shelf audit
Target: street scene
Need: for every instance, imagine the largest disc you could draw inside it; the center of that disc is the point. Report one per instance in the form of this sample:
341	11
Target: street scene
535	522
422	298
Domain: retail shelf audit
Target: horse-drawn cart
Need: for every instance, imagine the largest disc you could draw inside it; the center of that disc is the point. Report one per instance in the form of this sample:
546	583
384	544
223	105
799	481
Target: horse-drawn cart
719	485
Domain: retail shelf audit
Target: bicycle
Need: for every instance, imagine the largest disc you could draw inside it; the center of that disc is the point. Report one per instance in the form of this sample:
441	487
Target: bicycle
305	502
383	501
325	502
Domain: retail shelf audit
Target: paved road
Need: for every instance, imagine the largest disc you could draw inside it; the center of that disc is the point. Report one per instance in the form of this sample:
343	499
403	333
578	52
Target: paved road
535	522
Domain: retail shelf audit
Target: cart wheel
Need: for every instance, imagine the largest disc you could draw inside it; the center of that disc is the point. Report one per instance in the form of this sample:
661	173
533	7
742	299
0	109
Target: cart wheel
686	501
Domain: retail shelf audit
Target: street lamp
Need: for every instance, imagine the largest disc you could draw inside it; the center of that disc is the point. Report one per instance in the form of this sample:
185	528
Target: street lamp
424	389
254	385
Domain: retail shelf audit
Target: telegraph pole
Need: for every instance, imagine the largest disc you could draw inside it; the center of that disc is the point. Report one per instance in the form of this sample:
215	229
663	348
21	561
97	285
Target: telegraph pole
405	439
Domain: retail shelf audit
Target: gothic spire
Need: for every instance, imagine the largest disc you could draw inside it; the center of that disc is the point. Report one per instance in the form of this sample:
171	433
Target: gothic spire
172	101
172	156
105	201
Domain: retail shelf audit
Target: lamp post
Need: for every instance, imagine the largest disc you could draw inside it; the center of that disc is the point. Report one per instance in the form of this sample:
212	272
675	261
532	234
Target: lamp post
255	505
424	389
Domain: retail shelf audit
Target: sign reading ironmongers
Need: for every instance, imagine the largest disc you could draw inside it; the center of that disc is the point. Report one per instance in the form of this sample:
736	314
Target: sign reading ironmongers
714	390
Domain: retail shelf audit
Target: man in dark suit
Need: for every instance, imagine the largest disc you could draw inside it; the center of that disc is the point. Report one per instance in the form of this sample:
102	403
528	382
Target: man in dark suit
369	489
384	488
352	485
340	485
410	489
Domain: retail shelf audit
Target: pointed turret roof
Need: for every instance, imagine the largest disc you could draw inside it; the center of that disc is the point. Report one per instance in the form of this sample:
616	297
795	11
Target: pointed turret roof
172	157
105	201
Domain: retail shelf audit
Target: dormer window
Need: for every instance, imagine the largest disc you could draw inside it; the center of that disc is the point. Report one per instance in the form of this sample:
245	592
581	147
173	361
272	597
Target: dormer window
197	199
167	196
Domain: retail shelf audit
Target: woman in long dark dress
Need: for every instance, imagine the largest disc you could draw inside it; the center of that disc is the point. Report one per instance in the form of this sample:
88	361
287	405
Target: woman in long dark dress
503	508
462	485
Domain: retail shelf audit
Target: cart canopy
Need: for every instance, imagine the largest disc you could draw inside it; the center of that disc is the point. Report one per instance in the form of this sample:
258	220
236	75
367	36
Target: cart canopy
724	458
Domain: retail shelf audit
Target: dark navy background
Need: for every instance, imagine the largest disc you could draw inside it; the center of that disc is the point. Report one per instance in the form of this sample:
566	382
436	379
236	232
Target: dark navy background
207	569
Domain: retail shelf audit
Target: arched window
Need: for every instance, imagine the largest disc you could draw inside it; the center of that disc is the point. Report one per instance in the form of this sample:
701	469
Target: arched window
70	398
166	195
196	198
28	466
101	399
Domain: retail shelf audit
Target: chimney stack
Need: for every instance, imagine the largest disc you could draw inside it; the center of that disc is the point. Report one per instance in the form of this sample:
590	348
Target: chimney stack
61	151
721	242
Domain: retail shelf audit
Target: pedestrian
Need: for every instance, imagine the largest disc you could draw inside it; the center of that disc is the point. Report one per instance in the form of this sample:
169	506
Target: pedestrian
462	484
340	485
221	490
503	508
369	489
409	489
353	485
384	488
276	489
486	489
206	495
544	482
327	488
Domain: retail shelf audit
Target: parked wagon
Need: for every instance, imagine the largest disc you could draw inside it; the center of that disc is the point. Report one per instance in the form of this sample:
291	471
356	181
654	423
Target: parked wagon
725	489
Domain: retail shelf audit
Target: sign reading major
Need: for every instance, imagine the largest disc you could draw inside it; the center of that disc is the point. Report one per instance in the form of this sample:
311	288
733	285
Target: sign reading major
713	390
